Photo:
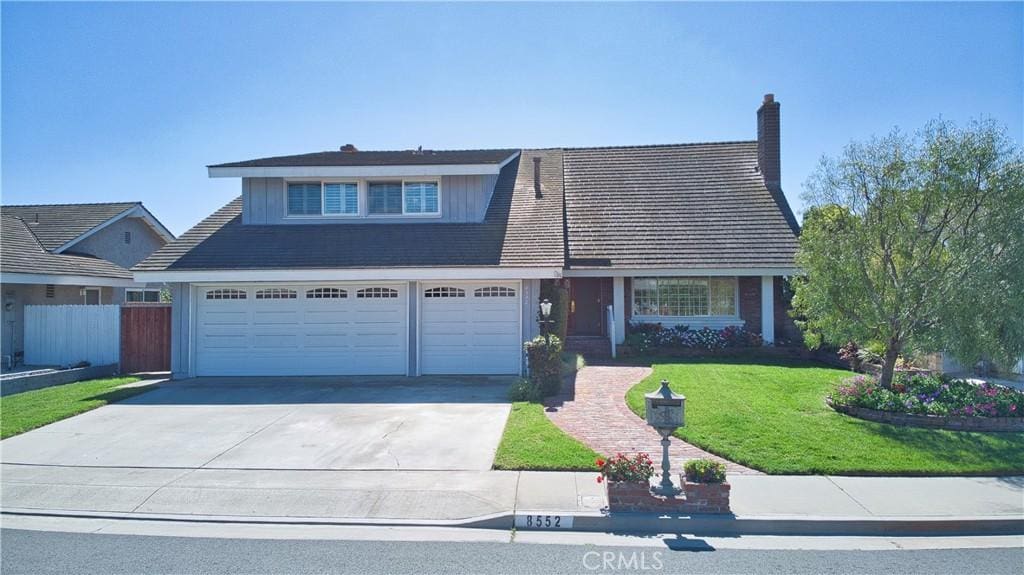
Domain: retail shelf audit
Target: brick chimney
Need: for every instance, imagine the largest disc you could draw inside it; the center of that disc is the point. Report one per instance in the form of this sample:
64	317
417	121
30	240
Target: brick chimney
769	160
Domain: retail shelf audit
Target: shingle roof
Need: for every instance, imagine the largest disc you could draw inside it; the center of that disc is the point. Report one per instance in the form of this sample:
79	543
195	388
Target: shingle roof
378	158
676	206
21	252
518	230
57	224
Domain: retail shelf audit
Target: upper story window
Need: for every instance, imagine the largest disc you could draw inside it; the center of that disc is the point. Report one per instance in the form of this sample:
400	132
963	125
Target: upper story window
384	197
323	198
410	197
684	297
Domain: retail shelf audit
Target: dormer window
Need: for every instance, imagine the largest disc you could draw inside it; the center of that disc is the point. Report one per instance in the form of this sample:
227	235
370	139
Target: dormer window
385	198
409	197
323	198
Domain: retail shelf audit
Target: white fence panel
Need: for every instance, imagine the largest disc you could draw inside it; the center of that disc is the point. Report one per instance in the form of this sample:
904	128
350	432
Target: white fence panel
68	334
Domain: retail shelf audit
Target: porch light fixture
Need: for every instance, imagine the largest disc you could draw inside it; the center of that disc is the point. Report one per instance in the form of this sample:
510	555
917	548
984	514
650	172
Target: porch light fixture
545	314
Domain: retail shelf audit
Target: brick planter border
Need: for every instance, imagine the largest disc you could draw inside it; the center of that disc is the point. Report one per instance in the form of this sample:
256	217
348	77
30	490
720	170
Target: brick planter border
629	497
950	422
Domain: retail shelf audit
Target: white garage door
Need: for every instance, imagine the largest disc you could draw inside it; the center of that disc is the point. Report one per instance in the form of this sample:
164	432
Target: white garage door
470	328
337	329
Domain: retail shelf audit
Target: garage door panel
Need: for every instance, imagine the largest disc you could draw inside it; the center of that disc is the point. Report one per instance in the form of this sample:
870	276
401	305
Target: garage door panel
318	332
475	333
275	317
326	316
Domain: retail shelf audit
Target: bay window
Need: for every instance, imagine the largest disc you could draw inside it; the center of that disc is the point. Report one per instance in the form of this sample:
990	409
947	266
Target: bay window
684	296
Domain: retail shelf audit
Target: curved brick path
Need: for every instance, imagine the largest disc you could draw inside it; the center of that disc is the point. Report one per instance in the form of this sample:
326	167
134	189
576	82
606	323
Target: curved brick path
595	412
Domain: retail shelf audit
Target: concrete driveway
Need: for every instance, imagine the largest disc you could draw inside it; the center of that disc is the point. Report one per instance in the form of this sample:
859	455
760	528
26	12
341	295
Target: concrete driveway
284	423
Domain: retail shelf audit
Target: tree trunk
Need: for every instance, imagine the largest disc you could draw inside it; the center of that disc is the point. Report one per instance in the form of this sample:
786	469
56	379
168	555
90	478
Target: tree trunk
892	351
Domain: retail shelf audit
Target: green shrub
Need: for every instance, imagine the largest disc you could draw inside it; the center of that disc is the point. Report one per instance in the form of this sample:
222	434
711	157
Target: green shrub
545	362
704	471
524	390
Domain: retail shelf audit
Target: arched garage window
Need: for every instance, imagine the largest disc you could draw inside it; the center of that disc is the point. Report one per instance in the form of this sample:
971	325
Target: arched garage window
226	293
444	292
494	291
275	293
326	293
377	292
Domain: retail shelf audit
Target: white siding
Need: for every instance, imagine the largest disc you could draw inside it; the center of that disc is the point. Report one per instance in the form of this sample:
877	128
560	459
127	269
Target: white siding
68	334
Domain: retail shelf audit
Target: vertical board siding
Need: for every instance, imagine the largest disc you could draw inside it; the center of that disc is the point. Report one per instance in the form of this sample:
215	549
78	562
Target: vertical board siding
463	199
145	338
69	334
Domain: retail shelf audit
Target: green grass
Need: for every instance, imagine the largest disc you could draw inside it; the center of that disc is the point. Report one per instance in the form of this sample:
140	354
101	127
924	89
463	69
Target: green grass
532	442
771	416
28	410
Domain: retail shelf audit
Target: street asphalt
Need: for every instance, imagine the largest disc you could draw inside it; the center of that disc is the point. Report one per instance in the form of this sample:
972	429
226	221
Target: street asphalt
41	552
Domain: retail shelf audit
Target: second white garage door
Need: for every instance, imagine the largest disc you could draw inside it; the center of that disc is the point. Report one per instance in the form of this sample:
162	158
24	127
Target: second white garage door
470	328
339	329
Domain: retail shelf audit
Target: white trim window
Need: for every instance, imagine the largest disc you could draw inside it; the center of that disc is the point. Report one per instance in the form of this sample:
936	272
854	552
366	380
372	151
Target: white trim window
142	295
404	198
421	197
685	296
322	198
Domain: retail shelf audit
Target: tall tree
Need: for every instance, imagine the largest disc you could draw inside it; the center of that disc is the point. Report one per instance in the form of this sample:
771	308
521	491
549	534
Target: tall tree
917	242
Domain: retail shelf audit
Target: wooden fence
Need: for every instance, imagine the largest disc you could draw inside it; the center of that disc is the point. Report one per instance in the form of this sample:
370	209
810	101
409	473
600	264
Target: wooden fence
145	338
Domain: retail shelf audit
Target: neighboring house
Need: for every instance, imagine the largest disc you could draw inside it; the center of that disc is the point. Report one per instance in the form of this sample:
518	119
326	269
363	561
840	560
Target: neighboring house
72	254
430	262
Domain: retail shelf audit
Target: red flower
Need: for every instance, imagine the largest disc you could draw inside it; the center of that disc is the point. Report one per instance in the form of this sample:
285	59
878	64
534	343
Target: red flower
600	478
599	462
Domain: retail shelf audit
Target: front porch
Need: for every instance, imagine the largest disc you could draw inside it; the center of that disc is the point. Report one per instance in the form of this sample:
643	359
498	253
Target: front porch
602	306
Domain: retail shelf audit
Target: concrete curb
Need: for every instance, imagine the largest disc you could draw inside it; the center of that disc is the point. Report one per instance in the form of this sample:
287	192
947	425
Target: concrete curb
701	525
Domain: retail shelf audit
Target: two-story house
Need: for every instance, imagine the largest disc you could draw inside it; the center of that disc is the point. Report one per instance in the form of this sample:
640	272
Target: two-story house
72	254
430	262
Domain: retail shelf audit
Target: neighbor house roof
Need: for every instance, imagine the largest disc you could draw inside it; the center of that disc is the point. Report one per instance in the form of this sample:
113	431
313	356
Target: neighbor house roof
21	252
673	206
518	230
57	224
378	158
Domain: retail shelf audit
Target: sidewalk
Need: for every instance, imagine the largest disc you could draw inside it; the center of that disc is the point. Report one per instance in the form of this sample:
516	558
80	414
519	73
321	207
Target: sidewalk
493	498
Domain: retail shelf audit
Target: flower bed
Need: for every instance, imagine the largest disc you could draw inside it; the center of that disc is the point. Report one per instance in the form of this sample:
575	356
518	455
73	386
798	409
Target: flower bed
932	401
647	337
629	488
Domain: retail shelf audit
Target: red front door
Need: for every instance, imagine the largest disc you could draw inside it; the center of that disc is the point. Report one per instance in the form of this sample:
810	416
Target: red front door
586	307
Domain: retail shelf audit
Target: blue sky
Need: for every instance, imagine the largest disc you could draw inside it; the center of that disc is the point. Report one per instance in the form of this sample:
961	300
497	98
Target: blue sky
130	101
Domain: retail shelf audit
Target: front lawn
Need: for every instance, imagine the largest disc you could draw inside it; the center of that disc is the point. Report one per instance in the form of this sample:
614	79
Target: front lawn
28	410
532	442
771	415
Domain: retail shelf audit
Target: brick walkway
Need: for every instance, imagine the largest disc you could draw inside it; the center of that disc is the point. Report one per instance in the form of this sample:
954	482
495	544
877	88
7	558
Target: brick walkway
595	412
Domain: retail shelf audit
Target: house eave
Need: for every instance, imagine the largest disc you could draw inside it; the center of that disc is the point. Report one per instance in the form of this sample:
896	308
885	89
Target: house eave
360	171
694	271
60	279
355	274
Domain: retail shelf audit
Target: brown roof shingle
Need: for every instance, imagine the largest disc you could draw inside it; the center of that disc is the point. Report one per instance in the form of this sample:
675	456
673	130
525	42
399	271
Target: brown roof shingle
675	206
57	224
21	252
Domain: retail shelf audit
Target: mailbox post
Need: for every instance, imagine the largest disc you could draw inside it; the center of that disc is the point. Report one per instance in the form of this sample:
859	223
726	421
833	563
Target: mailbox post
666	412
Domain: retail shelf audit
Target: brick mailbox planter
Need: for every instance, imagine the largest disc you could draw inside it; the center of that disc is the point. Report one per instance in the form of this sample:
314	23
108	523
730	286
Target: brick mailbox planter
630	497
951	422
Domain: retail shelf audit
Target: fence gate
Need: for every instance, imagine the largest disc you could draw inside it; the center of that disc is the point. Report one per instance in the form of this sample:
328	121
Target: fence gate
145	338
